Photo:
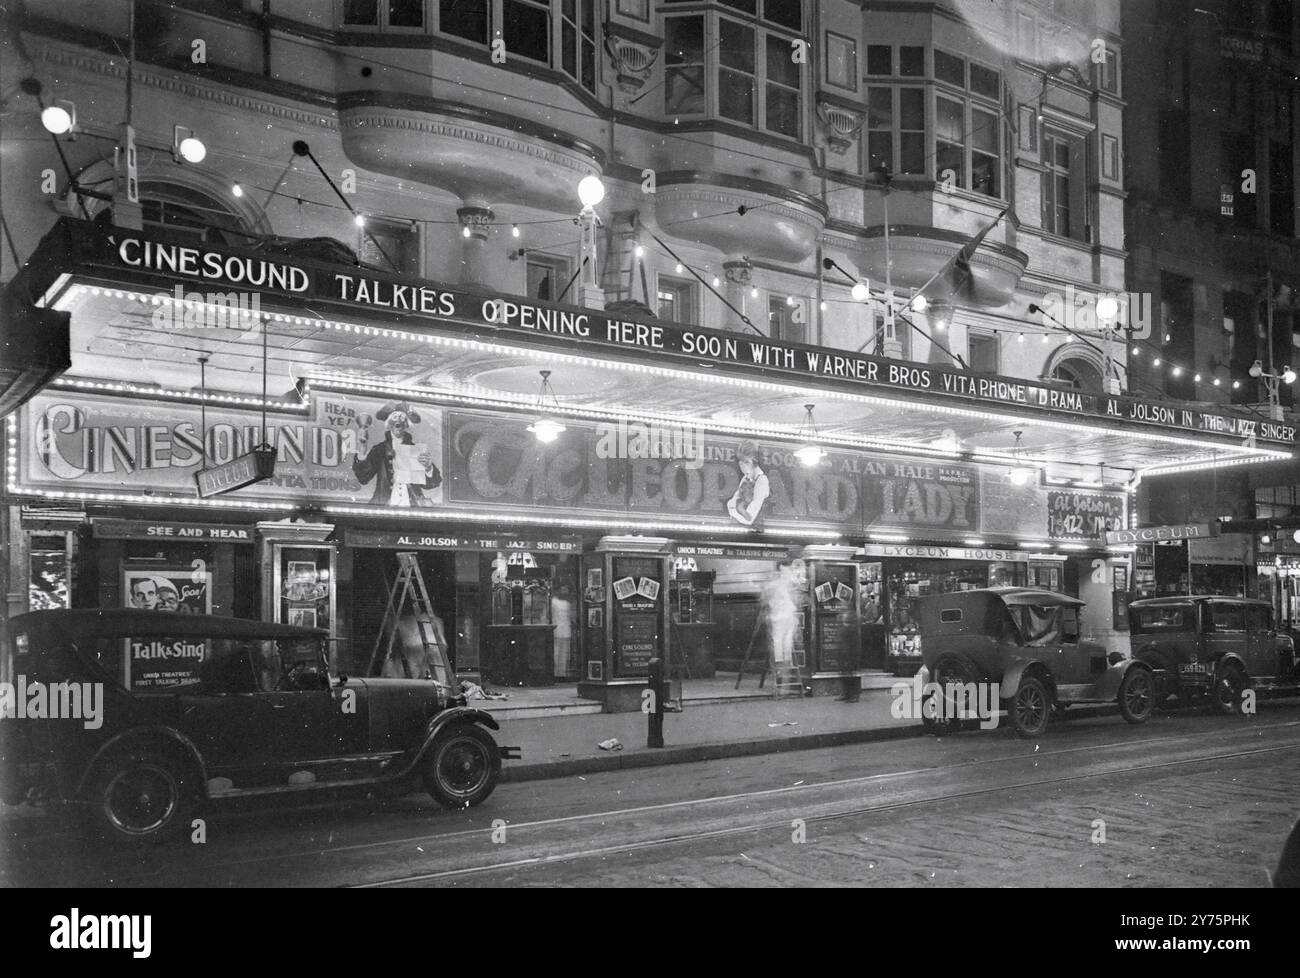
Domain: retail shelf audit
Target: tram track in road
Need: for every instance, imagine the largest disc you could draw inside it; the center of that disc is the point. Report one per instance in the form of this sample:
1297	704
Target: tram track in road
784	824
432	857
424	841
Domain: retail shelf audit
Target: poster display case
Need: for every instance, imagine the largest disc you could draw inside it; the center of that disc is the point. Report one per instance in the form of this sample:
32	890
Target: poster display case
625	618
299	576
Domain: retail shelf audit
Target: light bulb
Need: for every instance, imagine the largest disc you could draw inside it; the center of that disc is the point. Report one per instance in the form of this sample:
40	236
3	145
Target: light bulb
1107	308
919	303
1020	337
1019	476
716	281
591	191
1155	362
514	230
192	149
640	251
359	220
810	455
678	268
1288	376
753	293
860	292
464	231
546	430
56	119
237	190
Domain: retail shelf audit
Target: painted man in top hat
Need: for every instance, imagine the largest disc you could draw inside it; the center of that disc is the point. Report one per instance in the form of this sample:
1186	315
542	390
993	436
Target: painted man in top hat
378	462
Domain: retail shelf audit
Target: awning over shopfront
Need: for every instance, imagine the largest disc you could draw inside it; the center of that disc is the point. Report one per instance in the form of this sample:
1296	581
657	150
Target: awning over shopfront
342	342
33	348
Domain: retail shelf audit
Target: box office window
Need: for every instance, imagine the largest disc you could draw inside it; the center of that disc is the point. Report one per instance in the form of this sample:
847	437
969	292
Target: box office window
49	564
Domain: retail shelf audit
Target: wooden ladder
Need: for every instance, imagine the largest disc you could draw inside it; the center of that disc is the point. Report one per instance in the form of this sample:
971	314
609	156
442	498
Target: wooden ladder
409	587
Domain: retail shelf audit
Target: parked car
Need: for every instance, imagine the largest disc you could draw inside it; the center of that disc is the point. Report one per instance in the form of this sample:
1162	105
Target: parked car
195	710
1027	641
1212	646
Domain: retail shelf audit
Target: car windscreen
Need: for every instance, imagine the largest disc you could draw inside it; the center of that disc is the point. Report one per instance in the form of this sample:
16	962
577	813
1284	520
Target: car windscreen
1162	618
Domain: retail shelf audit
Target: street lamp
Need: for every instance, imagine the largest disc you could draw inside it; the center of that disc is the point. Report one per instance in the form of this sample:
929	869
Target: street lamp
1272	384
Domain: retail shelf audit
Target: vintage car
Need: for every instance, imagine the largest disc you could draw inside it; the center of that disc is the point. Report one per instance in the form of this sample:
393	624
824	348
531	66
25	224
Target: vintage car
1207	645
140	719
1027	642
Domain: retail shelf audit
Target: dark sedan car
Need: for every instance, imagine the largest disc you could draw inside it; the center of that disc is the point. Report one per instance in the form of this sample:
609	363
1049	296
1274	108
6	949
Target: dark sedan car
1213	646
144	718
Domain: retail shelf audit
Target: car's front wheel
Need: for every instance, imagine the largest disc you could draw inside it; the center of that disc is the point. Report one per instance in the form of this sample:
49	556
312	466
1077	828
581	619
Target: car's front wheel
1137	695
1229	689
1030	707
143	796
462	766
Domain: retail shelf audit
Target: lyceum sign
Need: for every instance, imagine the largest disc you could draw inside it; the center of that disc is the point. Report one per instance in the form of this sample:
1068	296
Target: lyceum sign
255	466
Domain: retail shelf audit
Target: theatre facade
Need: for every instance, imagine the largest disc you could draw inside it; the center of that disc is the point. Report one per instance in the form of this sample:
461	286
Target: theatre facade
637	503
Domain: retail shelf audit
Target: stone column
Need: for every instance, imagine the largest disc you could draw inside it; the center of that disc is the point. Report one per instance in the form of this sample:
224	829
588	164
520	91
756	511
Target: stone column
588	292
739	273
476	219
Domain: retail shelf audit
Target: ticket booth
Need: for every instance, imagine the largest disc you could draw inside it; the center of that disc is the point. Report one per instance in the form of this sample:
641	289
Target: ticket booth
624	618
833	636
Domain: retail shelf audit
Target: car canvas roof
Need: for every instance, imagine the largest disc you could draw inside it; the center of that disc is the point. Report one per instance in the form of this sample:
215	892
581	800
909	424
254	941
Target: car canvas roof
1029	595
1177	599
157	624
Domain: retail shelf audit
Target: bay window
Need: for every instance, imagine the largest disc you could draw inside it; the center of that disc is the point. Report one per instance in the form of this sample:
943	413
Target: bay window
962	147
558	33
741	69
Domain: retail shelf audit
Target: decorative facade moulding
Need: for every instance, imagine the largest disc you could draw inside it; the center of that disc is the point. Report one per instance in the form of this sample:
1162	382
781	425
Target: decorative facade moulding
632	57
842	124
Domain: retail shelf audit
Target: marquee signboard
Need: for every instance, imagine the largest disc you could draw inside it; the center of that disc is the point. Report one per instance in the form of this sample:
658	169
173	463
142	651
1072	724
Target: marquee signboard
133	256
340	453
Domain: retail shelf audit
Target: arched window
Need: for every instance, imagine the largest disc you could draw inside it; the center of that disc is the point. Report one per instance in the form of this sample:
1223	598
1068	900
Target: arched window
1079	374
185	210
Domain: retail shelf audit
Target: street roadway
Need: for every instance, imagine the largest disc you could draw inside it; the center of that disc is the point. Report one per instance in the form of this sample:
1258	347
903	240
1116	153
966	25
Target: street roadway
1192	799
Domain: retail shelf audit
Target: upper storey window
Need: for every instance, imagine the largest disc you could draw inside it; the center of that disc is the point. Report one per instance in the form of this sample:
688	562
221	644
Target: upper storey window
739	60
950	130
557	33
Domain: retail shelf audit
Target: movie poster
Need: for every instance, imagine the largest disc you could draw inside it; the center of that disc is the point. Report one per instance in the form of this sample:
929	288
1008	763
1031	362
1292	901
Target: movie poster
164	663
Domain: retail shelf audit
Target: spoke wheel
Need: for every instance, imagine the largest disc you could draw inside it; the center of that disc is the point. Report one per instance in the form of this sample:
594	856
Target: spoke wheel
462	767
1030	707
1137	695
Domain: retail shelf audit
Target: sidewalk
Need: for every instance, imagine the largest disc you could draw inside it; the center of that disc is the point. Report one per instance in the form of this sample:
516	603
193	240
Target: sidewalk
562	746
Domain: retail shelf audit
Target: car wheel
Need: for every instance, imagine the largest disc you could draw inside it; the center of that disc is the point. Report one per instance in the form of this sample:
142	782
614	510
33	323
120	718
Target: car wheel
1137	695
141	797
1228	687
1030	707
945	721
462	766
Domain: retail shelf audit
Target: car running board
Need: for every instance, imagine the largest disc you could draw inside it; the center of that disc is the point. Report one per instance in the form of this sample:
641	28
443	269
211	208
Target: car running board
510	753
